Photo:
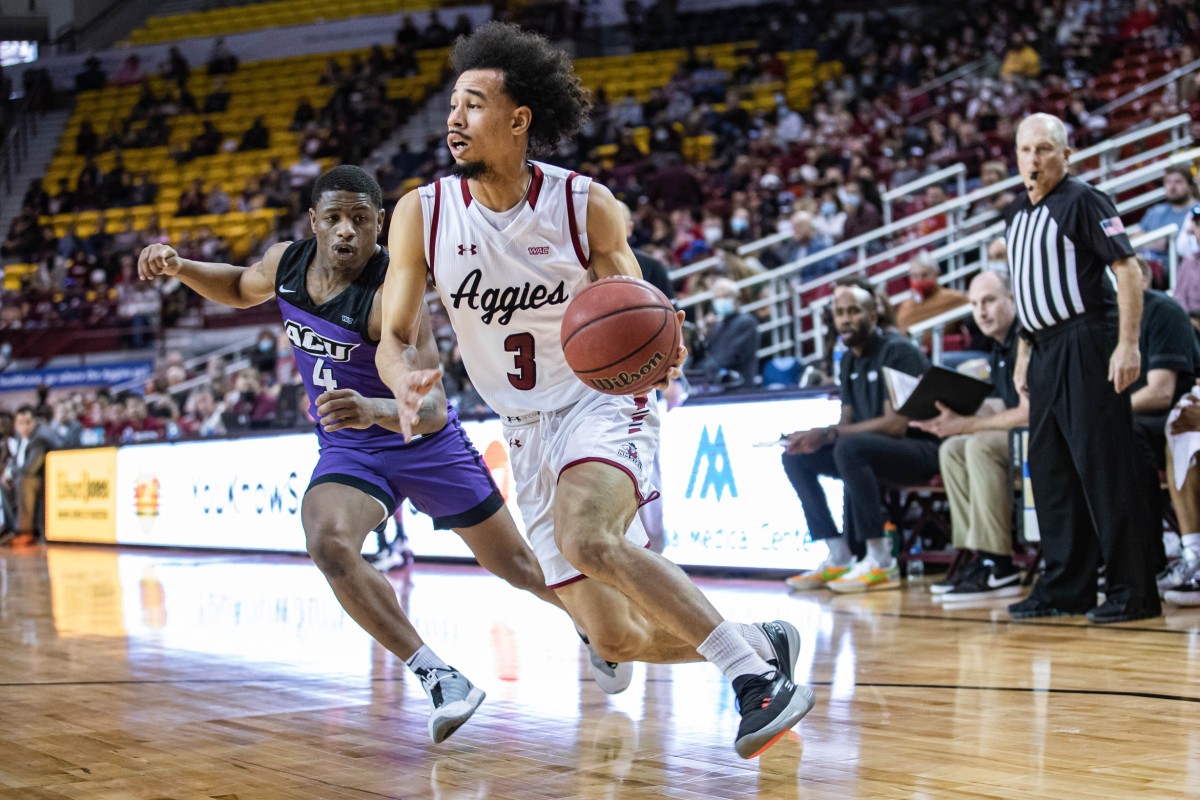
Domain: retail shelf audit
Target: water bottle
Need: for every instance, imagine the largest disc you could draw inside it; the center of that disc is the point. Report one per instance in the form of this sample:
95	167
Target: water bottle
893	537
916	571
839	350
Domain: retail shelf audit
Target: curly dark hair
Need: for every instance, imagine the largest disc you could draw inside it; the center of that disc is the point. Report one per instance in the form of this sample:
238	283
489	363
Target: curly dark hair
536	74
348	178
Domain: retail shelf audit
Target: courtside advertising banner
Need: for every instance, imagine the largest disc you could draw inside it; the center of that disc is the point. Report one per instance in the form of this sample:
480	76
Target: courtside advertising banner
81	495
726	500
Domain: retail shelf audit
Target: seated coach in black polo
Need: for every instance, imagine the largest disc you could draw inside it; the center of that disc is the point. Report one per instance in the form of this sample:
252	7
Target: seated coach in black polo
871	445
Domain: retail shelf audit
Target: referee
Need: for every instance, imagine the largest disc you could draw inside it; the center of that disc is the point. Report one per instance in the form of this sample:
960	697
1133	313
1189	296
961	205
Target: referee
1076	367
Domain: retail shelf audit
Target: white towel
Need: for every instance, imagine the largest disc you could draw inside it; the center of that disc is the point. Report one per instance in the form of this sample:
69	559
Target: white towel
1183	446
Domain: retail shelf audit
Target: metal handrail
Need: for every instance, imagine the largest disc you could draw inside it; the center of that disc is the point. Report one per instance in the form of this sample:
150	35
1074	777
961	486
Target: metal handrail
957	171
1145	89
1179	126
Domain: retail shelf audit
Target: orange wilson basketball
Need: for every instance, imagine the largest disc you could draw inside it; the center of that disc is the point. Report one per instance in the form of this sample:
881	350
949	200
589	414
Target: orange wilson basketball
620	335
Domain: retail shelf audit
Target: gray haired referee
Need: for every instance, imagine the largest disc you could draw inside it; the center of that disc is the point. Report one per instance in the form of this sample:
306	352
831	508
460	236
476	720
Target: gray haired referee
1082	454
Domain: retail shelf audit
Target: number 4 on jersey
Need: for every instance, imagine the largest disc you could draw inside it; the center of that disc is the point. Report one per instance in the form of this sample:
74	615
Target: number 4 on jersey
323	376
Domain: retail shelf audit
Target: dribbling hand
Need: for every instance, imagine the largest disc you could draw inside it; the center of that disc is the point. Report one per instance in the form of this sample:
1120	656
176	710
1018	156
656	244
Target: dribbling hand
158	259
676	370
415	385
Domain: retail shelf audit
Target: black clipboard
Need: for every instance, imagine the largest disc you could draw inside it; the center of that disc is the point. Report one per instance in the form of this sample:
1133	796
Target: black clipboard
915	397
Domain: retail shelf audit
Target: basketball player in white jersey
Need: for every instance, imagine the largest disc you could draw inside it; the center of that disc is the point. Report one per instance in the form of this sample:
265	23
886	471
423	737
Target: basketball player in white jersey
507	242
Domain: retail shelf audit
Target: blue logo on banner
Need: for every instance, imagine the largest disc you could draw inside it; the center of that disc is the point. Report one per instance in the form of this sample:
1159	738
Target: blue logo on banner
718	472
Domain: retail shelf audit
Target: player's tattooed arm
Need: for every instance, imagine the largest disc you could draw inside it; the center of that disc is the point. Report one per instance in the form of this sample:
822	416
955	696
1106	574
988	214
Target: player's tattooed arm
229	285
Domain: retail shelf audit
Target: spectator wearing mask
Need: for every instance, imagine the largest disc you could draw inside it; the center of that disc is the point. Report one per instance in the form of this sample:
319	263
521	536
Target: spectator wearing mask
929	298
830	220
654	271
728	351
862	216
204	415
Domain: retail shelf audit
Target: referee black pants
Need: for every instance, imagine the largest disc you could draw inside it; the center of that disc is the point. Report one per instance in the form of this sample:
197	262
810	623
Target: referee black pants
1088	488
865	463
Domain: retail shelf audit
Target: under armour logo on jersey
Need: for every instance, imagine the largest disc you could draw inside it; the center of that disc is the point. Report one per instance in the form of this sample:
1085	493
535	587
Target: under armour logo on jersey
514	443
347	319
464	249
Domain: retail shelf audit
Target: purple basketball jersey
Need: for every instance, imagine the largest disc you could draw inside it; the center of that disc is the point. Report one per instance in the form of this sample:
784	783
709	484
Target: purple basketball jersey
331	342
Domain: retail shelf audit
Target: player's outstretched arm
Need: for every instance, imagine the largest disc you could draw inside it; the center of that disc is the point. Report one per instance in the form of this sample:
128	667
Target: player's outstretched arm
397	357
238	287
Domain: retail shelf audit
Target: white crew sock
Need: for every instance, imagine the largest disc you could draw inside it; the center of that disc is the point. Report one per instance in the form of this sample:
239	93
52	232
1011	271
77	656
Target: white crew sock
1172	544
839	551
728	650
879	551
757	639
1191	545
425	659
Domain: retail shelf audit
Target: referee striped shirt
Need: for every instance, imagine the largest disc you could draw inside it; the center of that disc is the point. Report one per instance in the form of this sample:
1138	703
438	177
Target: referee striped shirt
1058	251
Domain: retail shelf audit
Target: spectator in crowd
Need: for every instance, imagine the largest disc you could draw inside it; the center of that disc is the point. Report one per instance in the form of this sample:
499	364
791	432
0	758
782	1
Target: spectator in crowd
221	61
1021	60
176	68
25	474
728	350
136	424
203	415
256	137
929	298
871	445
218	200
830	220
217	101
1183	483
803	243
92	77
654	270
1187	276
1174	210
974	455
192	200
862	216
130	71
248	406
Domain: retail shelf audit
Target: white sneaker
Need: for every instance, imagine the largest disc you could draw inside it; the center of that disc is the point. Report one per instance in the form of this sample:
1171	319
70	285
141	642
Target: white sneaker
1179	573
454	700
611	677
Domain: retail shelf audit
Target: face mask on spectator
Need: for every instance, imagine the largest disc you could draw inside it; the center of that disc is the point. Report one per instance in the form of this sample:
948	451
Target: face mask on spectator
713	233
998	266
266	345
923	289
852	201
722	306
829	208
739	225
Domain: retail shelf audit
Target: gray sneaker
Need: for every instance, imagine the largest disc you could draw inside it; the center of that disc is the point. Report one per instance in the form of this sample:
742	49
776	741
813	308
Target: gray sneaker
454	700
1178	574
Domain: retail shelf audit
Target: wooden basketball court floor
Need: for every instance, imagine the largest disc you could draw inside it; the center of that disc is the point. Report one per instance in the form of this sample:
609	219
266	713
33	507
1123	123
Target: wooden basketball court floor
147	675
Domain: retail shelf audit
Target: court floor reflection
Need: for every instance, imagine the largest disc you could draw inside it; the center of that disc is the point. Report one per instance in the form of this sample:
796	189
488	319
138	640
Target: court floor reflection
150	674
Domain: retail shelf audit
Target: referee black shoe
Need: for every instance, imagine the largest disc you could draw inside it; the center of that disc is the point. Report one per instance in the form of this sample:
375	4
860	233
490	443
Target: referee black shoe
770	705
1117	611
1031	607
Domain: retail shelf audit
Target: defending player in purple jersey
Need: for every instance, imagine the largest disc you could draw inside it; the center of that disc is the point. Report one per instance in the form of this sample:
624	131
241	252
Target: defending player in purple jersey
328	289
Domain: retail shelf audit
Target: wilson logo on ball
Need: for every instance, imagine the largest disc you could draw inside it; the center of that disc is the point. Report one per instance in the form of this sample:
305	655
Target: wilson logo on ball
623	379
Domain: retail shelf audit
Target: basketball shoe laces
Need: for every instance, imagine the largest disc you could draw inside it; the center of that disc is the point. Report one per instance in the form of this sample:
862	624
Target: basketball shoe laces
444	686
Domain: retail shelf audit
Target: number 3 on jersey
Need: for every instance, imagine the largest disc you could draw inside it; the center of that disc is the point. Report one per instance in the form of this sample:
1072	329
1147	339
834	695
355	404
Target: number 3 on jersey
323	376
521	346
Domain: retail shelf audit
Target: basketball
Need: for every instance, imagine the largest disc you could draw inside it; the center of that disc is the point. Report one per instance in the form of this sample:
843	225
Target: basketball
620	335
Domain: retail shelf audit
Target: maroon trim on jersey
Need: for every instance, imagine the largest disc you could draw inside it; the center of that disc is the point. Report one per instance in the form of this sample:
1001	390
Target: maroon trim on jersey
574	226
578	577
535	186
637	490
466	190
433	226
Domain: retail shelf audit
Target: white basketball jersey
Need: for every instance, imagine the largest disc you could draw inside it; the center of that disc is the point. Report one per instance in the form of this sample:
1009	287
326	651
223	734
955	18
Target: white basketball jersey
506	290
